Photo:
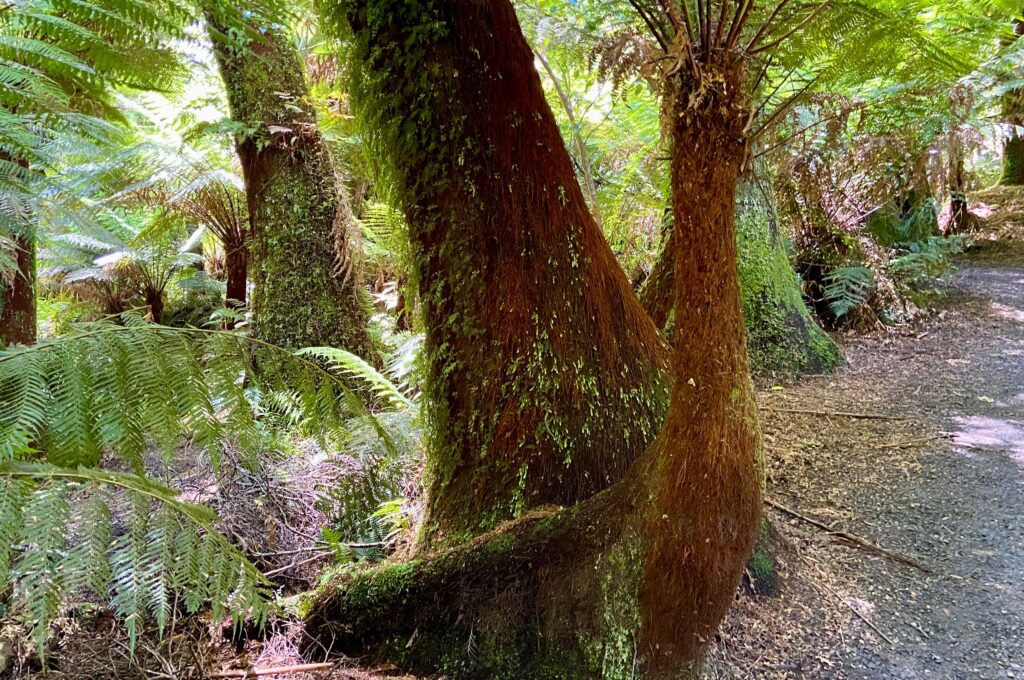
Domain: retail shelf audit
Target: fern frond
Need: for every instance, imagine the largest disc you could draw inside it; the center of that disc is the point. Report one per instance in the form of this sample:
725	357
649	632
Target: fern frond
355	366
847	288
169	547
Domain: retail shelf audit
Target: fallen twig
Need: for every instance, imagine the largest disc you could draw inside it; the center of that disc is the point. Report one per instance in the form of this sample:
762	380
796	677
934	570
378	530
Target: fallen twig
859	541
300	563
909	442
838	414
857	613
257	672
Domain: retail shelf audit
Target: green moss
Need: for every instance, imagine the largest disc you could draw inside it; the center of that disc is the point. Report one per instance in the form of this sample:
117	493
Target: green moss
782	338
614	651
299	215
762	565
1013	160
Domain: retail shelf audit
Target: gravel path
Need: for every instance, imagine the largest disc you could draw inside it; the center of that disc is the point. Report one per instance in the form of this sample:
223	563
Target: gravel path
944	486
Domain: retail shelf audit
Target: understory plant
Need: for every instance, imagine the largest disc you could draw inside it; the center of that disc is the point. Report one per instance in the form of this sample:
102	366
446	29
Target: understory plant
90	423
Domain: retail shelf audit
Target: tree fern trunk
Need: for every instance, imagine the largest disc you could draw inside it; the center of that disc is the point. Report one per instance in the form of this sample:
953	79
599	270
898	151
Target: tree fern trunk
18	296
545	372
236	272
155	300
307	287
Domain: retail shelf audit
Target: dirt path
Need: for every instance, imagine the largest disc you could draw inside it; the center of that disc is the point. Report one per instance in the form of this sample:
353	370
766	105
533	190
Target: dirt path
945	486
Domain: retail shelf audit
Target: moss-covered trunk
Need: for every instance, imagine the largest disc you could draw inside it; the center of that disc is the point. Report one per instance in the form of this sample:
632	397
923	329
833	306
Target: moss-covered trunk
1013	160
544	371
631	582
783	339
1013	114
18	295
307	287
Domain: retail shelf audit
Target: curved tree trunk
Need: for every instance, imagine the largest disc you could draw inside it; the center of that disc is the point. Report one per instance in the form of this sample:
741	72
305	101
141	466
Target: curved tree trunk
18	296
631	582
783	339
304	255
545	374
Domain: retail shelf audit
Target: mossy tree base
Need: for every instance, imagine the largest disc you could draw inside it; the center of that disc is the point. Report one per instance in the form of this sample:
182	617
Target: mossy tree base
1013	161
782	337
533	599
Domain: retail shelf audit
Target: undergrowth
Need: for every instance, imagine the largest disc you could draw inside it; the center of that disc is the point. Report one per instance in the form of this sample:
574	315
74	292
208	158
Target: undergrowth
89	422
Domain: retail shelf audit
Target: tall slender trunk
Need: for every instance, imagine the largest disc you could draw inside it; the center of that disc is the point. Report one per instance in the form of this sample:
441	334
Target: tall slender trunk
1013	112
544	371
704	462
236	272
631	582
961	219
18	296
307	287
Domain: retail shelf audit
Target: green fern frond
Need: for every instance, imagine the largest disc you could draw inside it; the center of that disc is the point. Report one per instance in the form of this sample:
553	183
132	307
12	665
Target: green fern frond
169	548
847	288
355	366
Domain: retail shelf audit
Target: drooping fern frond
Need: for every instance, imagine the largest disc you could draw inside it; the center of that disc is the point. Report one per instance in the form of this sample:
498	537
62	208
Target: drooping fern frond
111	387
168	548
347	363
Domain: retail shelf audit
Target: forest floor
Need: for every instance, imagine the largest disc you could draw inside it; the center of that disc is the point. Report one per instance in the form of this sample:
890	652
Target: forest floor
937	483
915	451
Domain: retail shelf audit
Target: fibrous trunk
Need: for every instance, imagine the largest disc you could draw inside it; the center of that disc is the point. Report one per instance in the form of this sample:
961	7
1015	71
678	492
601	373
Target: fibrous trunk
17	295
155	301
1013	113
631	582
545	374
236	272
304	244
